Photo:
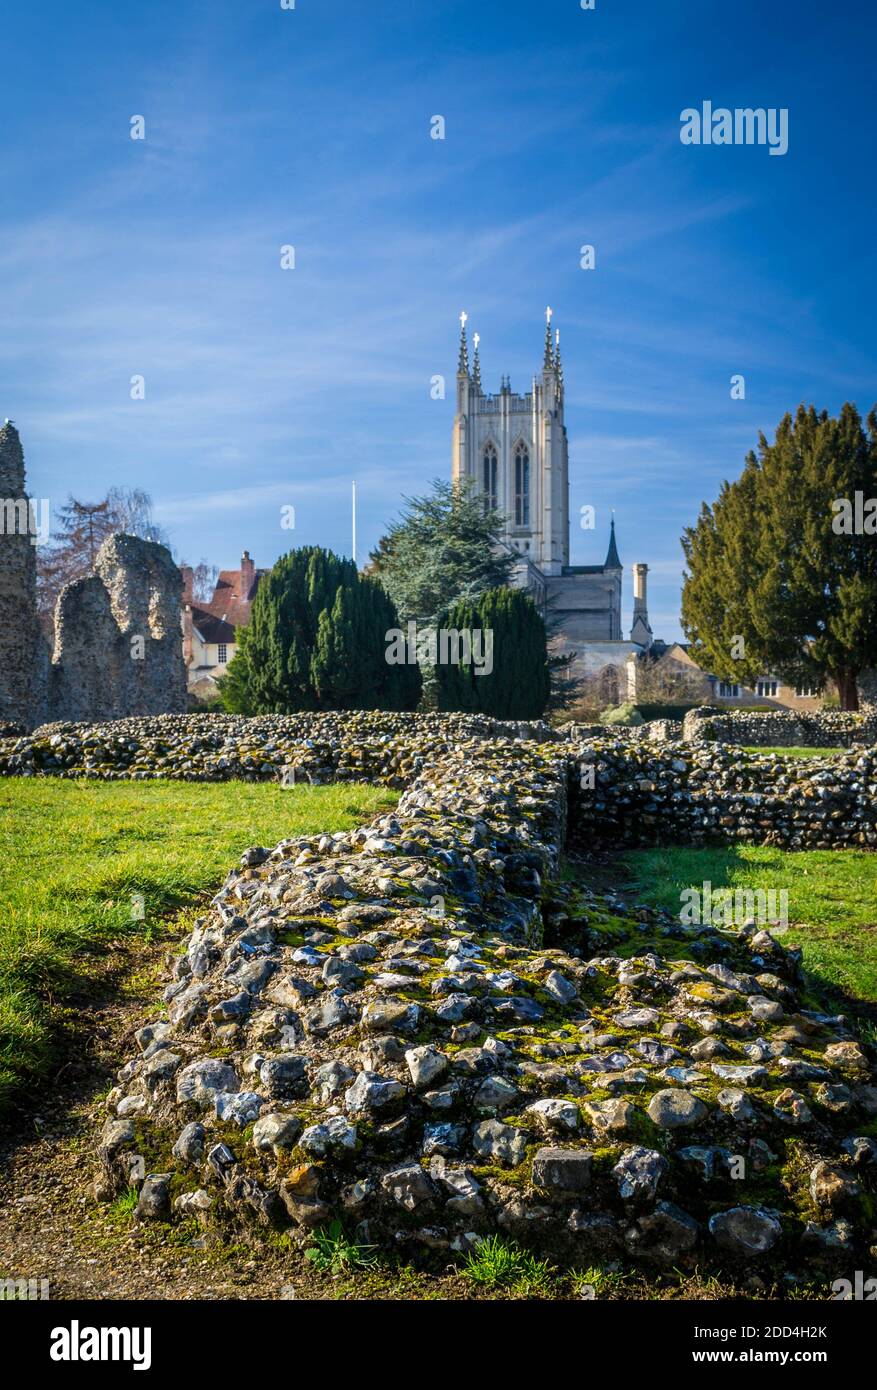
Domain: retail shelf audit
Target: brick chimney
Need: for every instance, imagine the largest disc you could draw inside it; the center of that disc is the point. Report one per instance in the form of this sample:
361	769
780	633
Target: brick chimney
248	575
186	611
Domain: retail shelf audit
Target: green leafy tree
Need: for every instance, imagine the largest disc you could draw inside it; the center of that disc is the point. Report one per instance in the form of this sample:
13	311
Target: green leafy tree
445	546
317	640
507	639
781	572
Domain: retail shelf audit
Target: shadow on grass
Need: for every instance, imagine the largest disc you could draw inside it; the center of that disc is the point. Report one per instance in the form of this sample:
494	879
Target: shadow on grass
830	897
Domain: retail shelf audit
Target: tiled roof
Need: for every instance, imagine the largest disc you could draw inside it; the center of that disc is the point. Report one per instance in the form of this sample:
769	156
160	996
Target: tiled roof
228	602
210	628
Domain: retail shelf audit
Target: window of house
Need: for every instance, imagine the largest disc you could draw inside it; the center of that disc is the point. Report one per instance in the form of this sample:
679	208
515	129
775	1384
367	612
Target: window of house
728	691
222	653
522	485
767	689
806	692
491	497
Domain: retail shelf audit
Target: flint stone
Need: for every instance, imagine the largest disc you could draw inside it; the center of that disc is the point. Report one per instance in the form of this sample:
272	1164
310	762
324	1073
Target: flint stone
115	1135
665	1234
426	1065
520	1008
372	1092
239	1107
736	1104
560	1115
330	1080
335	1133
154	1203
443	1138
189	1148
495	1093
332	1012
276	1132
560	988
500	1143
675	1109
745	1231
284	1078
562	1170
637	1018
409	1186
383	1017
638	1173
862	1149
201	1082
612	1116
831	1186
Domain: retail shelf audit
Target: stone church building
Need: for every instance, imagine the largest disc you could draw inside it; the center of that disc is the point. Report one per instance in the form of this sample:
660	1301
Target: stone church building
513	448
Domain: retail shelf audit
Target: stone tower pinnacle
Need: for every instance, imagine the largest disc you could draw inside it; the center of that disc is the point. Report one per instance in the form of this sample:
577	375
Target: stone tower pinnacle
548	362
463	364
476	365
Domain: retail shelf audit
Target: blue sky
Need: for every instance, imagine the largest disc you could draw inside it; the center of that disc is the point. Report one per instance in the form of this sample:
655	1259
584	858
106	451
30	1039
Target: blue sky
267	388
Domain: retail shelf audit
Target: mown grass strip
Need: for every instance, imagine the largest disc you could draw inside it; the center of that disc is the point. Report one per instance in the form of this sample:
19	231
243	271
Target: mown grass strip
86	863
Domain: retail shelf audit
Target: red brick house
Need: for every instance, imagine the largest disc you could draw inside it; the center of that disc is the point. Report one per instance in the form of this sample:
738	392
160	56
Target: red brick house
209	628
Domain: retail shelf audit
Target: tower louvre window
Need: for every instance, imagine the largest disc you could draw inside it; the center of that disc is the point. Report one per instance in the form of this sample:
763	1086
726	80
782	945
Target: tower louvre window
491	497
522	485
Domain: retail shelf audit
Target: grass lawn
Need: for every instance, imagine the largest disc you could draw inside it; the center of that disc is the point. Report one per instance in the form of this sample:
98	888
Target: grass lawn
832	900
84	864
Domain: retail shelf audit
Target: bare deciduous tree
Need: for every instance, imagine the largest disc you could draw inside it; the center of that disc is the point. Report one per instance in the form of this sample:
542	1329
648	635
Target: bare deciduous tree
80	530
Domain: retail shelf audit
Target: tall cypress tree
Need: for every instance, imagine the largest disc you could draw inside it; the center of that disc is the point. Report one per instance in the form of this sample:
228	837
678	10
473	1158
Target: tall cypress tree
513	634
317	640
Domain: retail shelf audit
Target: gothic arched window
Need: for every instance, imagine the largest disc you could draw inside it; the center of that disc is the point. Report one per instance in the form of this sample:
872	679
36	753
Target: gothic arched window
491	496
522	485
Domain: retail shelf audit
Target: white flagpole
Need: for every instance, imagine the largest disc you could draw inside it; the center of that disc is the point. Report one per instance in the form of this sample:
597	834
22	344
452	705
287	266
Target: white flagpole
353	517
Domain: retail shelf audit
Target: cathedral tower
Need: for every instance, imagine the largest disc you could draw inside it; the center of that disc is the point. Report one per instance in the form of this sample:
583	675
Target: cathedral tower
514	448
